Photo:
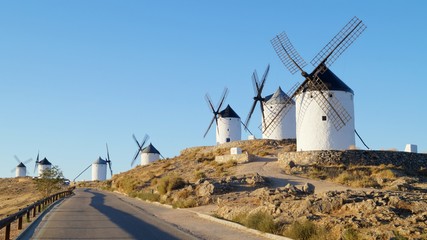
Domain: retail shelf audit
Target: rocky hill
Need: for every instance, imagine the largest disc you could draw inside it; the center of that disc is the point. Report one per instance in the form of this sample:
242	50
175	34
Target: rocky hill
305	202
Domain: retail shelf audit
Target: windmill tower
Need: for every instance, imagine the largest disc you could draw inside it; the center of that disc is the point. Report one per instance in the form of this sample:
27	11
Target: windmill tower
148	154
282	127
21	169
99	170
324	103
43	165
227	121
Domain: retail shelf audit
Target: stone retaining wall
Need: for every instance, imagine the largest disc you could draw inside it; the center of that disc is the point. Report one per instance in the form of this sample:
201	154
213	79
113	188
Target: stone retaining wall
409	161
239	158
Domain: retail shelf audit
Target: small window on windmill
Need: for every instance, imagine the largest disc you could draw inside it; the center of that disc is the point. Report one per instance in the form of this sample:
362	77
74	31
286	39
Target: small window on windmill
330	95
323	118
228	129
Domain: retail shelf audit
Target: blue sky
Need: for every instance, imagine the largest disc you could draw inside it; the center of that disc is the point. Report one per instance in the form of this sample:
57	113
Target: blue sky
77	74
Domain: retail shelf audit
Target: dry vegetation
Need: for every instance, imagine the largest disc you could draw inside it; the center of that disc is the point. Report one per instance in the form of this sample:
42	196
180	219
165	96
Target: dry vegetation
177	181
16	193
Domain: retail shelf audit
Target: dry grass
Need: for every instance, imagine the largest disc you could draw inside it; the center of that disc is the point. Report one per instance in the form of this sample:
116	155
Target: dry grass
16	193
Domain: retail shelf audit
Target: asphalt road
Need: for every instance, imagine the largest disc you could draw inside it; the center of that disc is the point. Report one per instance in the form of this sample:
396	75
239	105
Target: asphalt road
93	214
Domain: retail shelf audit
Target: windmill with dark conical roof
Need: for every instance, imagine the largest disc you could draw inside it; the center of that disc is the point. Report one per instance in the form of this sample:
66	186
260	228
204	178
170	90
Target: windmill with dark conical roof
21	169
324	103
148	154
227	121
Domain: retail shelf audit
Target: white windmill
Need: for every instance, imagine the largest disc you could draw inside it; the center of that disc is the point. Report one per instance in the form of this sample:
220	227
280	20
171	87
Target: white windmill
228	128
43	165
148	154
324	104
281	126
99	168
21	169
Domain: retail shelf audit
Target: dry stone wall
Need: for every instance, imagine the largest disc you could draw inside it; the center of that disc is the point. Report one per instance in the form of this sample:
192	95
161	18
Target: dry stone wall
409	161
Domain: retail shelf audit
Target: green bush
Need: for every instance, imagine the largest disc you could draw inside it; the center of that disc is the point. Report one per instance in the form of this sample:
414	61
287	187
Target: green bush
185	203
350	234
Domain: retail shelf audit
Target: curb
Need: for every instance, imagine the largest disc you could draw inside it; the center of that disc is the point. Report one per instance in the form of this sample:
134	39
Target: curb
240	227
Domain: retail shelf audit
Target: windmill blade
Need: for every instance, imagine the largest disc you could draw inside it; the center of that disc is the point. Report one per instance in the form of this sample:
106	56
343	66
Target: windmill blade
136	156
264	78
109	160
136	140
37	162
339	43
28	160
111	170
287	53
17	159
250	113
209	101
255	82
223	97
246	128
210	125
82	173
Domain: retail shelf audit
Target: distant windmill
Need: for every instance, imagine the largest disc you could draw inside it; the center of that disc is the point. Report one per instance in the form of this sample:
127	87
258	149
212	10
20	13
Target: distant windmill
281	127
21	169
148	154
227	121
99	168
41	165
324	103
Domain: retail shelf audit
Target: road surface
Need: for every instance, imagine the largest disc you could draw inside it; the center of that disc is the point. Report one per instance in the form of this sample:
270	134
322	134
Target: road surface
93	214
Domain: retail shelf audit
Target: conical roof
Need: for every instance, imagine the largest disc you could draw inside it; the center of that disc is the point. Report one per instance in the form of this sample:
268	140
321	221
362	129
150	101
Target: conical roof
150	149
228	112
332	82
278	97
21	165
44	161
100	161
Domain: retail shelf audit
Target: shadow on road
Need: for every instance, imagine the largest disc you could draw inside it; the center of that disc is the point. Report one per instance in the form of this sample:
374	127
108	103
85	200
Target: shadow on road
136	227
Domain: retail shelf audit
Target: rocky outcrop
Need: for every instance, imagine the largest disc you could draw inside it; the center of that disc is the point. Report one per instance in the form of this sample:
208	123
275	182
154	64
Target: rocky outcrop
408	161
371	213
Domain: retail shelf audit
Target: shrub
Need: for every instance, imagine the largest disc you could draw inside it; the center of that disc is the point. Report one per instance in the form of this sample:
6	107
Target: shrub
169	183
185	203
350	234
301	230
262	221
148	195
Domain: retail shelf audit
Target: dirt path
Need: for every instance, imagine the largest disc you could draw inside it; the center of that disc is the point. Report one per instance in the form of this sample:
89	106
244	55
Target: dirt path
269	167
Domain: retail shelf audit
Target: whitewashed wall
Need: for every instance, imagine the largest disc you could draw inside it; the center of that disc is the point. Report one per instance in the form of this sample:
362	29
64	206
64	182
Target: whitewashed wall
228	128
99	172
285	124
147	158
315	134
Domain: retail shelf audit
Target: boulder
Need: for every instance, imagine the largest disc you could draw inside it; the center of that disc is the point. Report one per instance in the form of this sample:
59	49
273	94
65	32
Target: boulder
308	188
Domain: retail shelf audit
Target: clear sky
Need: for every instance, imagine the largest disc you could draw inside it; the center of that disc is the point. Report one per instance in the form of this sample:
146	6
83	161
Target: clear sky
77	74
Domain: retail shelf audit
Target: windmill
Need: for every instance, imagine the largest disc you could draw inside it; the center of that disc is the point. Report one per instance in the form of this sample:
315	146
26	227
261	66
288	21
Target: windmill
283	126
42	165
140	147
227	121
324	103
99	168
21	169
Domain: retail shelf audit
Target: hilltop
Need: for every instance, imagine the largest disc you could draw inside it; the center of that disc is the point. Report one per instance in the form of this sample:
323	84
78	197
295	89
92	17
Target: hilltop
355	202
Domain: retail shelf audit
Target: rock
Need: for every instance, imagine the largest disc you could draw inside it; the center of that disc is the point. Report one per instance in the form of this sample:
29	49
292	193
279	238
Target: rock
205	189
260	192
308	188
256	179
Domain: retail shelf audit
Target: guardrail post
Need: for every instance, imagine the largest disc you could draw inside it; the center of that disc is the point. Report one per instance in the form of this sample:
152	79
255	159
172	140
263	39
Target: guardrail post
7	234
28	215
20	221
34	211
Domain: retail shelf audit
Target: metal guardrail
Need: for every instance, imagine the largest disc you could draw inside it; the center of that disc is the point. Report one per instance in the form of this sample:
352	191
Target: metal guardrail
31	210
